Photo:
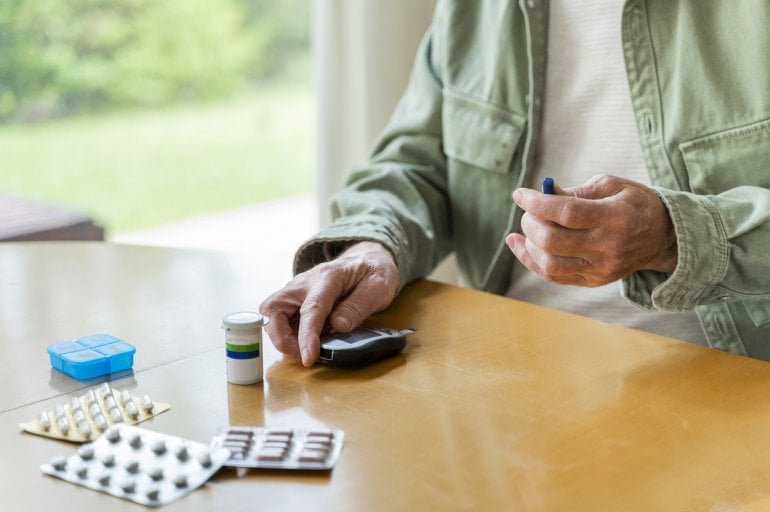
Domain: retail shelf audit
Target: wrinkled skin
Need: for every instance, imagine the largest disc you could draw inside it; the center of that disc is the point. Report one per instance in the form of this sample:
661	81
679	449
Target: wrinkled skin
588	236
337	295
594	234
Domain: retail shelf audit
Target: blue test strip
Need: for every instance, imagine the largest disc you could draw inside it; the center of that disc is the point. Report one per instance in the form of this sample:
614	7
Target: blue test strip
547	186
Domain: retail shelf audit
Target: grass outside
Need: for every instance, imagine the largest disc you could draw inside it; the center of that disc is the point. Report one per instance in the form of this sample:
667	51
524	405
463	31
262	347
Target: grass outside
140	169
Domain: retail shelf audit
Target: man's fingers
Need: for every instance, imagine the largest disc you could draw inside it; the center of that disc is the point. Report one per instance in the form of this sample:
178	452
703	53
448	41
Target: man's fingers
565	210
340	293
312	318
359	305
599	187
281	334
557	269
282	308
601	232
560	241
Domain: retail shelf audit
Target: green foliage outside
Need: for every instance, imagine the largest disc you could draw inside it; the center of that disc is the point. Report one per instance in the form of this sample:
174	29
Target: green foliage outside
142	112
136	170
64	57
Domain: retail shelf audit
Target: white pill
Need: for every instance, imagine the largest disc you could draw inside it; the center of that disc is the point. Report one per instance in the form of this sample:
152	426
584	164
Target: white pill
156	473
116	415
182	453
113	435
132	466
101	423
135	441
43	421
94	408
78	415
90	397
205	459
75	404
159	446
64	424
108	460
86	451
105	389
128	486
152	493
85	429
180	480
59	463
131	409
59	411
110	402
125	396
147	404
104	478
82	472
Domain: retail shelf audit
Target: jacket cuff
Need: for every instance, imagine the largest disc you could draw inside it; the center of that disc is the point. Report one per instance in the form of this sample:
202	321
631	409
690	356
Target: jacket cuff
330	242
702	261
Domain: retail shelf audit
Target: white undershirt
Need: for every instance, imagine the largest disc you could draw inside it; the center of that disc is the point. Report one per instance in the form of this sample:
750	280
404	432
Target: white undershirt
588	128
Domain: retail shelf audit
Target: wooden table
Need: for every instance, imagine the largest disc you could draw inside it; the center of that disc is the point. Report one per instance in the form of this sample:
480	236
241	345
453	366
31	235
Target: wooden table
494	405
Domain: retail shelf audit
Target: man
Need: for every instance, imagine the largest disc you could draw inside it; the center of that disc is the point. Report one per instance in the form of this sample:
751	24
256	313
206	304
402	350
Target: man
660	108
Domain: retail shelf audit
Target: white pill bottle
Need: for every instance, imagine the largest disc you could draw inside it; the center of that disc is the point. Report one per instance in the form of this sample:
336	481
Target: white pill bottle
243	346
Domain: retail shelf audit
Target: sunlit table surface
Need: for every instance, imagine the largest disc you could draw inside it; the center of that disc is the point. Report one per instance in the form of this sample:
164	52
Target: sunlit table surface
493	405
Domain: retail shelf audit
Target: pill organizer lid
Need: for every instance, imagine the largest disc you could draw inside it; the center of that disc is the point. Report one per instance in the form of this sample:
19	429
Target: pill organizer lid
243	321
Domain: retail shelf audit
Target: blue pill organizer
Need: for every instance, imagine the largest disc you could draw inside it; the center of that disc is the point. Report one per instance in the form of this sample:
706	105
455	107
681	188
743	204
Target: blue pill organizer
92	356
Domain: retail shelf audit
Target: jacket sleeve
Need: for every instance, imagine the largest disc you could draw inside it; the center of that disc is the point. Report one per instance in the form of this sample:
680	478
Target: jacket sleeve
399	198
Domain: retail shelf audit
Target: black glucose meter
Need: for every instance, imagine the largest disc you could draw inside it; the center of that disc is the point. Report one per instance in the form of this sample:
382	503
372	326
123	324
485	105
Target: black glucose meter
362	346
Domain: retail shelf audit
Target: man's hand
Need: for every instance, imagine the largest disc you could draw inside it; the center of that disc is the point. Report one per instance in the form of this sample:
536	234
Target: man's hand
342	292
594	234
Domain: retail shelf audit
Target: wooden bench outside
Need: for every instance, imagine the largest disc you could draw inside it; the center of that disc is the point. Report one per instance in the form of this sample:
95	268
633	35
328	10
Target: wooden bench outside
25	219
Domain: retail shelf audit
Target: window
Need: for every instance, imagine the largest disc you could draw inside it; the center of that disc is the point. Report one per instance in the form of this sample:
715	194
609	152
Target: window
145	112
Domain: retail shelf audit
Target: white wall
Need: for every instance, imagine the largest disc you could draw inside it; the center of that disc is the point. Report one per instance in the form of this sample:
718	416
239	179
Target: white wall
363	52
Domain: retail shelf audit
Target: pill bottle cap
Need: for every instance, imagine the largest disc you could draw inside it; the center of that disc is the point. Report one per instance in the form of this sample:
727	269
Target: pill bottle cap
243	321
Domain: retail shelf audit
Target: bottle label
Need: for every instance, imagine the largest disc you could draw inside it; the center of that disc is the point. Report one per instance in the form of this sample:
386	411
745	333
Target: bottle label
242	351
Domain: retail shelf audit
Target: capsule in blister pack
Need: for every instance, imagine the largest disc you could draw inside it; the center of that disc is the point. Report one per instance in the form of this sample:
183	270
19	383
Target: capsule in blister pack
280	448
139	465
86	417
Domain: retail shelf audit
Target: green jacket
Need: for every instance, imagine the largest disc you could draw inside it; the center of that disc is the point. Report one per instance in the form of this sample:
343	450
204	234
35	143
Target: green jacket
462	138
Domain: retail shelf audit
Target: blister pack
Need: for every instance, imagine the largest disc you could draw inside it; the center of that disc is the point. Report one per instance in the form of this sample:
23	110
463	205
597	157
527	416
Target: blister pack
85	417
139	465
280	448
